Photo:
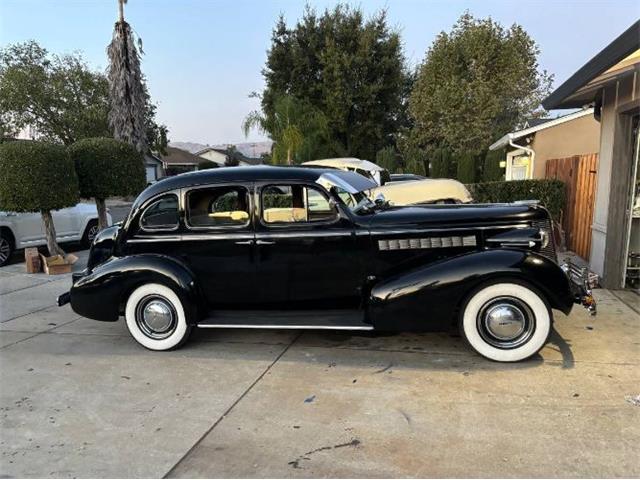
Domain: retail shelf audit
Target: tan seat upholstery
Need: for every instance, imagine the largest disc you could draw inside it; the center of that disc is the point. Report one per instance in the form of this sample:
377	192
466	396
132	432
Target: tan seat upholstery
235	215
289	215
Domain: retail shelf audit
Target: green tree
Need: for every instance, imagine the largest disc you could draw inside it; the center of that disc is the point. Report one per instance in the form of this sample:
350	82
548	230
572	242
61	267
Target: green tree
349	68
492	172
207	164
476	82
59	97
467	167
387	157
232	159
37	177
443	164
299	130
107	168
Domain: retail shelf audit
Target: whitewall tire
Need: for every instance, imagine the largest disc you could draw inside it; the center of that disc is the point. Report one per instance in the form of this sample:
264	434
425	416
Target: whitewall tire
155	317
506	322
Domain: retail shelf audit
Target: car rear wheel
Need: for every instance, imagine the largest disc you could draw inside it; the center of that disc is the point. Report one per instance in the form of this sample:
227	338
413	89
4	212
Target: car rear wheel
506	322
6	248
155	317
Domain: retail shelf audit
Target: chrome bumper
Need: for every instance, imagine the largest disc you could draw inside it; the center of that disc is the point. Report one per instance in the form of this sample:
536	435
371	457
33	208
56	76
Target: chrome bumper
581	286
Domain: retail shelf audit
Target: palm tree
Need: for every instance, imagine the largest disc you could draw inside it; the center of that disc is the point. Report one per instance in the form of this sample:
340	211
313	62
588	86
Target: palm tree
127	93
292	124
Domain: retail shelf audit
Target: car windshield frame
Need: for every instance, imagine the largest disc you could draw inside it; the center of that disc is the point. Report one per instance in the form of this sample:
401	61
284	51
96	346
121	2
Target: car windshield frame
351	183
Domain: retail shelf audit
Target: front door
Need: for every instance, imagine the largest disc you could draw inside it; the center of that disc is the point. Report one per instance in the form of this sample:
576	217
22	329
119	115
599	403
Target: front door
218	244
307	251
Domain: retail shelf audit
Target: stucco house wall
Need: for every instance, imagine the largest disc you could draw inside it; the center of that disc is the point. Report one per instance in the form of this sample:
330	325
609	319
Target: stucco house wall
576	137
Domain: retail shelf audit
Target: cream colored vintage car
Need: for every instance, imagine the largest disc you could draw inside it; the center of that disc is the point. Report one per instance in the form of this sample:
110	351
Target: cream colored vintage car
411	192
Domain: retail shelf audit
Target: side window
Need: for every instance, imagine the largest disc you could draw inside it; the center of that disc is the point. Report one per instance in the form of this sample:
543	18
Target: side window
226	206
295	204
161	214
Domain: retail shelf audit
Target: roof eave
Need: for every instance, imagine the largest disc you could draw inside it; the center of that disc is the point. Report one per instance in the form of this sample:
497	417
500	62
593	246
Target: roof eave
623	46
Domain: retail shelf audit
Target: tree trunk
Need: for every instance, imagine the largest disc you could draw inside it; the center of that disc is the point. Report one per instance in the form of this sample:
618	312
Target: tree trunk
288	156
50	233
102	213
121	10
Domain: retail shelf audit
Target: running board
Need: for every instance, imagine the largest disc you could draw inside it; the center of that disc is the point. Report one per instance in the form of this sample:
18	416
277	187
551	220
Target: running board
293	320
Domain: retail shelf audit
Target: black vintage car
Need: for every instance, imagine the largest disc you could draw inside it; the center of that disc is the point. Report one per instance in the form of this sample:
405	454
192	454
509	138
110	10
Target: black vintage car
304	248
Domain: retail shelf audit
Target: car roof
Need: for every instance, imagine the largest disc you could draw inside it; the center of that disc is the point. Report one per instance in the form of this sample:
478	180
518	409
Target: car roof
231	174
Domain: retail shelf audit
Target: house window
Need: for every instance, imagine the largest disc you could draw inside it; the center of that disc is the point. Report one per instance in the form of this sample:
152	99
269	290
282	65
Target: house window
518	166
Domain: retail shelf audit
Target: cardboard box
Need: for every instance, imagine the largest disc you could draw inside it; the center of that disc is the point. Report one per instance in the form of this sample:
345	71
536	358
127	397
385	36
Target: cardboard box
32	260
58	264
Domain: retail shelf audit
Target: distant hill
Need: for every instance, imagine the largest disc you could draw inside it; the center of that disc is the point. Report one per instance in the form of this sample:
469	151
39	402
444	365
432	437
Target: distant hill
249	149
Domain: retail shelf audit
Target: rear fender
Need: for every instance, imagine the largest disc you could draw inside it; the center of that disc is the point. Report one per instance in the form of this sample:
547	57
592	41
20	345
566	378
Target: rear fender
101	294
429	297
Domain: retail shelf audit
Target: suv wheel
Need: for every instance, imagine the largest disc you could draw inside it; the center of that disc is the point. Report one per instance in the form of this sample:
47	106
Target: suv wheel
6	248
90	233
506	322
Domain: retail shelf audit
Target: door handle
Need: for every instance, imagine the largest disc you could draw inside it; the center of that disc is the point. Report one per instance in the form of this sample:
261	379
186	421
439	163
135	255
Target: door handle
264	242
244	242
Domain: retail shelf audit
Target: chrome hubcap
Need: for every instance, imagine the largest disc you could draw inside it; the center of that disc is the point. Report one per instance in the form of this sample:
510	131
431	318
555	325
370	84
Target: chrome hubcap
156	317
506	322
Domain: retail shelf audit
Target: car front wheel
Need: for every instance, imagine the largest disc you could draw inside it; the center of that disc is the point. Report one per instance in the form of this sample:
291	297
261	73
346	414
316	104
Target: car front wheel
155	317
506	322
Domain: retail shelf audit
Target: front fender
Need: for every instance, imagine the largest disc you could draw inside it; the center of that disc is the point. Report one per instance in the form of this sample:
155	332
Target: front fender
101	294
429	297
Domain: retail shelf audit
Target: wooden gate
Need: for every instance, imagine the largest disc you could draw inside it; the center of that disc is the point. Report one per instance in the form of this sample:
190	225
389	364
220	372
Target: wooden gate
579	174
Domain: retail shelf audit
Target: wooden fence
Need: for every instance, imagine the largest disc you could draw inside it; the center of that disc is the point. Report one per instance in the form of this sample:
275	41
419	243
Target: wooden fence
579	174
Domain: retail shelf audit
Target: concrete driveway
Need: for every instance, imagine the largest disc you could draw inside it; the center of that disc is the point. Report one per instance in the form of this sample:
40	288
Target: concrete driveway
80	398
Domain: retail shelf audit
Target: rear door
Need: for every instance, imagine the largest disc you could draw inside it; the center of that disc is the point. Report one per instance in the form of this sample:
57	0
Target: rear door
218	243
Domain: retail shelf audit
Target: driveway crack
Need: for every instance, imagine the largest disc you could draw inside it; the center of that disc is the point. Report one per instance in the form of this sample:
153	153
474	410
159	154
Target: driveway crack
228	411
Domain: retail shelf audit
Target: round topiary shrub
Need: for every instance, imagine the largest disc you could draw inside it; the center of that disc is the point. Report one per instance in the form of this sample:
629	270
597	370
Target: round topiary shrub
37	177
107	168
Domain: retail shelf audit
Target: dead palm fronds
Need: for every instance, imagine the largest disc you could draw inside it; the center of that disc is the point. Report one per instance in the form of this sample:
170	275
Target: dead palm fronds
126	88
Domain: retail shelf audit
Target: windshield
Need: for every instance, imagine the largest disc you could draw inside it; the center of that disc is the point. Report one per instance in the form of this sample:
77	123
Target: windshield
356	202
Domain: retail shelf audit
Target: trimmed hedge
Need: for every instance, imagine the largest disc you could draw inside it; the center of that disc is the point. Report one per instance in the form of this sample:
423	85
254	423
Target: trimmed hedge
206	165
36	177
107	168
551	193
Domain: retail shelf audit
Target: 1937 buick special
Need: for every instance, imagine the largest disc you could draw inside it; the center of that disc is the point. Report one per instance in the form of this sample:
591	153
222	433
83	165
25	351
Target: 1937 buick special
304	248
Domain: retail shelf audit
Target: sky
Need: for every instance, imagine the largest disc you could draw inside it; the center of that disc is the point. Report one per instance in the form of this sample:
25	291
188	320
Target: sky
204	57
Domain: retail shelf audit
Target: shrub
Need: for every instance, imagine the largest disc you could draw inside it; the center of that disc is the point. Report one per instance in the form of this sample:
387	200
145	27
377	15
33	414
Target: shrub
466	168
106	168
442	164
491	171
37	177
206	164
551	193
387	158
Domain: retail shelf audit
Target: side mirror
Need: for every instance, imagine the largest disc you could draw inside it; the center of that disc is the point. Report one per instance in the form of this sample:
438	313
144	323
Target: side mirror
380	200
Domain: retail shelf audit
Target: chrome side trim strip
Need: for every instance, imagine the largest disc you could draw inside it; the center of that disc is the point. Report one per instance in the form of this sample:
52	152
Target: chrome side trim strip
163	238
286	327
452	229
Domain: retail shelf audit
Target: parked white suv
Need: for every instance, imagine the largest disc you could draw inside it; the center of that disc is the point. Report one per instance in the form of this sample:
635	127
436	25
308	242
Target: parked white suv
21	230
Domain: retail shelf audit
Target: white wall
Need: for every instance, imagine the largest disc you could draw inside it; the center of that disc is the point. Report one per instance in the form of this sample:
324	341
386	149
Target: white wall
214	156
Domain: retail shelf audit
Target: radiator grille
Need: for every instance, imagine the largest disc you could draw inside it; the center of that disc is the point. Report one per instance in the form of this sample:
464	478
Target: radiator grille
550	250
429	242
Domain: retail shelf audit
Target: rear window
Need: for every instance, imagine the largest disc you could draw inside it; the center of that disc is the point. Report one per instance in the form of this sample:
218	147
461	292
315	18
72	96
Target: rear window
161	214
